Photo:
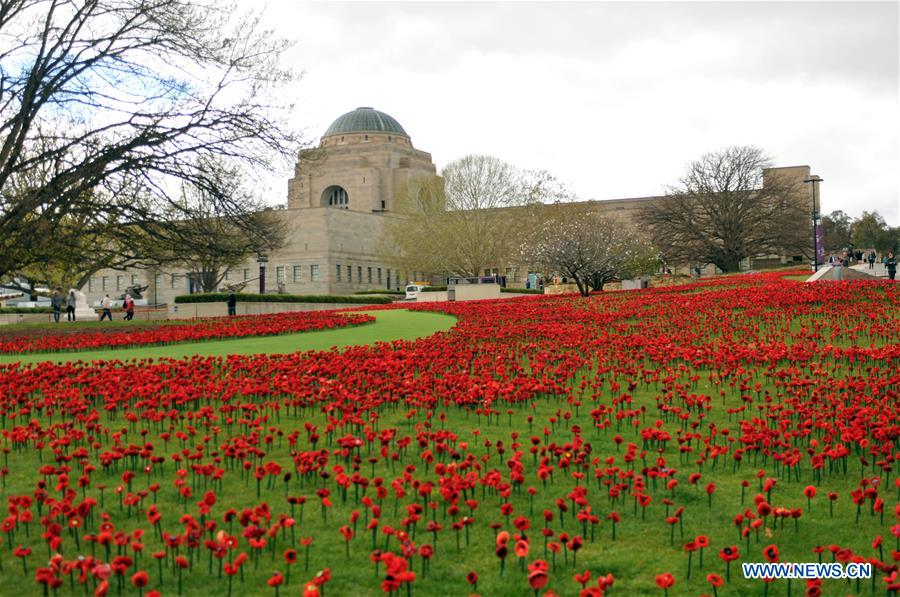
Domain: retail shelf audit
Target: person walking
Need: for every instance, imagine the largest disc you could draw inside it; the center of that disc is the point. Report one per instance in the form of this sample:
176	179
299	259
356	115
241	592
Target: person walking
872	259
129	307
56	301
70	306
232	304
891	265
106	304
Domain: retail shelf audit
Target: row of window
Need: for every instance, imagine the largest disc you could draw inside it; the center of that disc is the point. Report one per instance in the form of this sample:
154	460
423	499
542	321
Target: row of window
367	275
363	275
106	282
373	275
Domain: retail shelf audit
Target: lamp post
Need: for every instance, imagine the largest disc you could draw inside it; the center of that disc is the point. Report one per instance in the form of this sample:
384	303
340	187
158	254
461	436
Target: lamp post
815	180
262	260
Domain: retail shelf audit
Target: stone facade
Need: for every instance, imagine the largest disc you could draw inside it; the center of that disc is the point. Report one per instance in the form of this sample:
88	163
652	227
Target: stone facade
337	203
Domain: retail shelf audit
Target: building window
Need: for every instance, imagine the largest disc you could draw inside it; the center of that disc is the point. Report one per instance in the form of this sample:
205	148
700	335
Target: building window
173	281
104	283
246	273
227	275
279	274
383	205
90	285
337	270
335	196
298	271
119	281
359	274
379	275
314	273
389	279
369	275
366	138
157	281
349	273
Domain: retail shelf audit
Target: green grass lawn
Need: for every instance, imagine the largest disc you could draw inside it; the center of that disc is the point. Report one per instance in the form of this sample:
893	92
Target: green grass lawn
389	325
641	550
645	545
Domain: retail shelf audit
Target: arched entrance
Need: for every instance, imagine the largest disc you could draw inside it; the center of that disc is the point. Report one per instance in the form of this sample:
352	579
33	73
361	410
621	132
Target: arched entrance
335	196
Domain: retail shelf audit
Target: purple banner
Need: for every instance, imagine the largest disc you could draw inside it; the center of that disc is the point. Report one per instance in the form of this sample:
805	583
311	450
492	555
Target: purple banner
820	245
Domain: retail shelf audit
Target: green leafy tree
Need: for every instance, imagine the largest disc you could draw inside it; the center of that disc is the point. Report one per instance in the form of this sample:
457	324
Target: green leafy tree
870	231
836	229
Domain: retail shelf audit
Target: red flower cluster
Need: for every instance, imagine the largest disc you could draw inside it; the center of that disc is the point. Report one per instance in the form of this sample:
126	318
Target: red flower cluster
517	443
213	328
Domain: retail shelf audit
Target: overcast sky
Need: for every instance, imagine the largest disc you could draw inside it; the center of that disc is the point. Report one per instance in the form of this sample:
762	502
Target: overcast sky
616	98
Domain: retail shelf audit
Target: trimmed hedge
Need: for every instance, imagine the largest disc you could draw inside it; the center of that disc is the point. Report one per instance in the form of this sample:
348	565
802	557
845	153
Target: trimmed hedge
391	292
433	289
522	290
221	297
27	310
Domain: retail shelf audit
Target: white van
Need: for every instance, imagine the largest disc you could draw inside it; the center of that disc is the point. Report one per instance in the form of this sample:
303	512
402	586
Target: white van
413	290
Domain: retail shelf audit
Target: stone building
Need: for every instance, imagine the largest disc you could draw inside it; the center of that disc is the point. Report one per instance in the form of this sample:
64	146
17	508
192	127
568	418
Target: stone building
337	202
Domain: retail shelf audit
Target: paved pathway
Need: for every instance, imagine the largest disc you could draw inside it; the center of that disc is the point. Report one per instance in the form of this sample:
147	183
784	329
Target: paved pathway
879	270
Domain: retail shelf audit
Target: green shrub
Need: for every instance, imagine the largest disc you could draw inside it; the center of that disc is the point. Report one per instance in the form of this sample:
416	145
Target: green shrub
26	310
433	289
221	297
390	292
522	290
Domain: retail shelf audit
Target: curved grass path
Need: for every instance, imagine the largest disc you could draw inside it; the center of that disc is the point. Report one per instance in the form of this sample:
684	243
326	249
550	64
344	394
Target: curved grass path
389	325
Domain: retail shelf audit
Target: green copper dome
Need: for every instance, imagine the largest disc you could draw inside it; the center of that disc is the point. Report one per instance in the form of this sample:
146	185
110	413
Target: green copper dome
365	120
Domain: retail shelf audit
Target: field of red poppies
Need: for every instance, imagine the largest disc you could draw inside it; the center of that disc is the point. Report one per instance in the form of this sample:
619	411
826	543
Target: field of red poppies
196	330
624	444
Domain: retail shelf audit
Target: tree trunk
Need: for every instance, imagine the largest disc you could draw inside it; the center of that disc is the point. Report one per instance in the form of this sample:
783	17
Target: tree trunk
728	264
582	286
209	279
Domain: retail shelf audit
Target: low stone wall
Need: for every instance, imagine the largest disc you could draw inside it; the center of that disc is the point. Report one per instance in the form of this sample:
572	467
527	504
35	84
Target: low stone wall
140	314
192	310
438	296
14	318
462	292
560	288
475	292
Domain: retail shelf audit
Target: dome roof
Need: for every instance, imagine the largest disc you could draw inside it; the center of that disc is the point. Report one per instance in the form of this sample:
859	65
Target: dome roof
364	120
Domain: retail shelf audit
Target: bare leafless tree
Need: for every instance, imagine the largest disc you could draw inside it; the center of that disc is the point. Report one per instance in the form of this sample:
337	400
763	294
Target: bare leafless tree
470	219
116	103
216	238
722	211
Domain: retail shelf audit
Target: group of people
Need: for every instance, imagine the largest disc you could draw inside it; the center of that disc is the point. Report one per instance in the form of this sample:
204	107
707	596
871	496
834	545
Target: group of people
70	301
58	301
127	306
847	258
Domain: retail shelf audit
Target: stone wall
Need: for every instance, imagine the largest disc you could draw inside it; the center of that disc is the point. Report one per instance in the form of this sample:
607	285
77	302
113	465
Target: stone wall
371	167
192	310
